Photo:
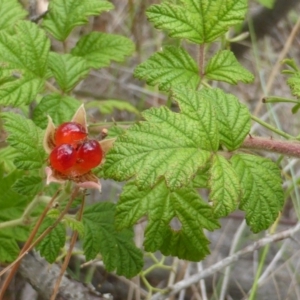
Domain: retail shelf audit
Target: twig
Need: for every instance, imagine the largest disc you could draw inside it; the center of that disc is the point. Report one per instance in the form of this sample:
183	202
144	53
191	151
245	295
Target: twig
69	254
183	284
16	263
28	246
35	270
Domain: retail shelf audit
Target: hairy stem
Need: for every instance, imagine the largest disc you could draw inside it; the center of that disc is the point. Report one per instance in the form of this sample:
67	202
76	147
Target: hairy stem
287	148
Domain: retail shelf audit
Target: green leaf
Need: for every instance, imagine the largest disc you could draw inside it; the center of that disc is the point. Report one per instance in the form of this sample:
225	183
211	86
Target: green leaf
12	206
114	131
234	119
170	67
117	248
99	49
23	60
52	243
108	106
262	195
161	206
64	15
201	178
166	144
223	66
224	185
60	108
198	21
295	108
10	12
9	249
7	156
75	225
27	139
68	70
294	84
28	185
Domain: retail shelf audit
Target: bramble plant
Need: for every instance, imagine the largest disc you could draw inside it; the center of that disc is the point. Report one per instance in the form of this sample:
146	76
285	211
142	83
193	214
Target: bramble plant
165	158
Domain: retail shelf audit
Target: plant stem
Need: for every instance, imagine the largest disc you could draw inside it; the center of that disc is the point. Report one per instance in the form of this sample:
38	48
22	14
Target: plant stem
68	256
266	125
287	148
14	266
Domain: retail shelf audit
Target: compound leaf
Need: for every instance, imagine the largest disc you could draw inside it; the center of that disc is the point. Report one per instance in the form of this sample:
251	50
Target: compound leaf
224	187
28	185
7	156
170	67
198	21
67	69
223	66
117	248
64	15
294	84
99	49
167	144
234	119
9	249
52	243
23	60
60	108
10	12
27	139
262	195
161	206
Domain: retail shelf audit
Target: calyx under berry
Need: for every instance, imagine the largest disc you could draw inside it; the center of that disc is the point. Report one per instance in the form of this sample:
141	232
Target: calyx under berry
72	154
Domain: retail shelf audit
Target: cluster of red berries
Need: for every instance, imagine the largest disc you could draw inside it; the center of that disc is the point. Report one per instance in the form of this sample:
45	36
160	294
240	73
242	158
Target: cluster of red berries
74	154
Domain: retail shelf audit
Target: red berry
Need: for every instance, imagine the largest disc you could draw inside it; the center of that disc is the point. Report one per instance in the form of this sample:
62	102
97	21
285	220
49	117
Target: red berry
63	158
70	133
89	156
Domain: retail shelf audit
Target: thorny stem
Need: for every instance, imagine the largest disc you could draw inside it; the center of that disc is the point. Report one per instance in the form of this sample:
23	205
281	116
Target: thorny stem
68	256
